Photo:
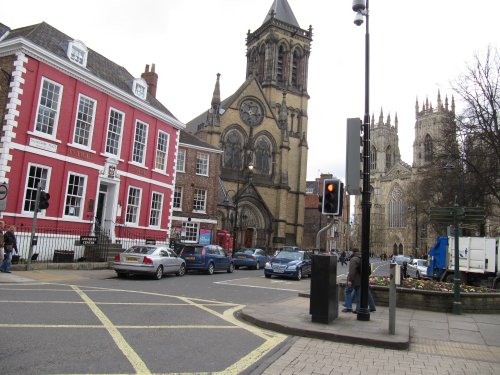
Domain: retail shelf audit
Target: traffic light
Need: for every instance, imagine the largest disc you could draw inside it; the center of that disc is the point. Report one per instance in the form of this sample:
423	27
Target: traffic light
43	203
332	197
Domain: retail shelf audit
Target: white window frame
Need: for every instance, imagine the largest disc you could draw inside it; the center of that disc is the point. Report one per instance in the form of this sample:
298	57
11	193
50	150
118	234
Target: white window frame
200	200
160	152
191	227
78	199
202	163
108	132
77	49
174	199
133	208
44	184
57	110
156	209
181	160
140	88
137	144
78	121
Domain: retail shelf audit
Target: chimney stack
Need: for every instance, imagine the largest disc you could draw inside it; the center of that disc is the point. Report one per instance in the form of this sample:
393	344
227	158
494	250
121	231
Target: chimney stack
151	79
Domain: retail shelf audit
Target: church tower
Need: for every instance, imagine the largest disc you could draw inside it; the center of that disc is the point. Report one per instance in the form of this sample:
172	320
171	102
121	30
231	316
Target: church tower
263	126
384	153
429	125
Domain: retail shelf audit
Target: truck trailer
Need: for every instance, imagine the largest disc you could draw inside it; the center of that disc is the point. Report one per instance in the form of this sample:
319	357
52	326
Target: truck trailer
479	261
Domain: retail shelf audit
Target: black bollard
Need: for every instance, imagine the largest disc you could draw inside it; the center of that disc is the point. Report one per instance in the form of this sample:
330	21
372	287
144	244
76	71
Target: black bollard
324	301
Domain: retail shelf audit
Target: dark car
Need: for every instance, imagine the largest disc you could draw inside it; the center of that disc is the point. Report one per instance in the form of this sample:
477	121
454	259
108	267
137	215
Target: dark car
207	258
294	264
250	258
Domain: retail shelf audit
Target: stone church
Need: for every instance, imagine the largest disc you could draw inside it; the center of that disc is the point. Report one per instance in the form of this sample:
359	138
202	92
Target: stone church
262	130
396	226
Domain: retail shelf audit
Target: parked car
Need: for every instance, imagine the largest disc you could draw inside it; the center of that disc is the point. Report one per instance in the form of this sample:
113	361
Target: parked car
155	260
208	258
250	258
294	264
400	259
417	268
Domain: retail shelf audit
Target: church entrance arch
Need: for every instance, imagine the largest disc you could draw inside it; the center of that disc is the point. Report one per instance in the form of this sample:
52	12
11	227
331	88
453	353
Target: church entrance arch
253	226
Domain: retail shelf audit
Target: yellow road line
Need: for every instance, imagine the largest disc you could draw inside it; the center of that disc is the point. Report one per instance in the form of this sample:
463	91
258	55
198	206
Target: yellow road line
134	359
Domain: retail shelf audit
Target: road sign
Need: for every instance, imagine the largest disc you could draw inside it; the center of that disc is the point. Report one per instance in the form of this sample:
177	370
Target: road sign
4	189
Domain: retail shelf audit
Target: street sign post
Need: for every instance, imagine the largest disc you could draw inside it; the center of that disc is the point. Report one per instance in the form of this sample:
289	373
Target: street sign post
4	189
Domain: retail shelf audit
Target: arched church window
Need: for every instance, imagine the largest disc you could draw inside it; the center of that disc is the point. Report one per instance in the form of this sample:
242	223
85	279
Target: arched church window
397	208
263	155
373	158
428	148
233	147
295	65
280	67
388	158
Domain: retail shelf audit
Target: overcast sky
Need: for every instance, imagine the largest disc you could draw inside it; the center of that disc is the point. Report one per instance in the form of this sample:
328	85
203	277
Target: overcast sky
417	48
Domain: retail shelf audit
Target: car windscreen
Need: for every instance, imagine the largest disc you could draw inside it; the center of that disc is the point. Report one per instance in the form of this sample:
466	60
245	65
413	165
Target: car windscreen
422	263
246	251
192	250
293	255
147	250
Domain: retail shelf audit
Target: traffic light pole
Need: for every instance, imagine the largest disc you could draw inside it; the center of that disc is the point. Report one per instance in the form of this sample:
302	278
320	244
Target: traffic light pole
33	228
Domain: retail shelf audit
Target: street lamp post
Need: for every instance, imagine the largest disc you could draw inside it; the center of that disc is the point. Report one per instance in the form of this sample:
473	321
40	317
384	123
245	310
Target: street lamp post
361	9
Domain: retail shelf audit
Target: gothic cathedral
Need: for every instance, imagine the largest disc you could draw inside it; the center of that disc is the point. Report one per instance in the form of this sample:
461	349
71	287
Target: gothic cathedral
395	227
262	129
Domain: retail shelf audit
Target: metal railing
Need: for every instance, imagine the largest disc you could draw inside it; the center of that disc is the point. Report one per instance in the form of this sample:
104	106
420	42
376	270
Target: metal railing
60	245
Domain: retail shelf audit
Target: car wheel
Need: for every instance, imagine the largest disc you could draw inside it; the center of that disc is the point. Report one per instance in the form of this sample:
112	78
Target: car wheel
267	276
231	268
299	274
159	273
210	269
121	275
182	270
257	266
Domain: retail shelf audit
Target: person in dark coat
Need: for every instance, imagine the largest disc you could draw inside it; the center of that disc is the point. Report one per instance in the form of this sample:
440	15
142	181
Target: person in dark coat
10	245
351	291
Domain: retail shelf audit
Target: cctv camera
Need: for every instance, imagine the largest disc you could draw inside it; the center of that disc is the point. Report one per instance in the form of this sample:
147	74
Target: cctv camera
358	5
358	19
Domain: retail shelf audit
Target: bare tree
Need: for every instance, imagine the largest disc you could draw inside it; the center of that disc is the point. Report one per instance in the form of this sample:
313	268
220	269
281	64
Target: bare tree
477	128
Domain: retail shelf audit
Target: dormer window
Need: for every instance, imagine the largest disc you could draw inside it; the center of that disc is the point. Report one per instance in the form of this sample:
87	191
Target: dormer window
140	88
77	52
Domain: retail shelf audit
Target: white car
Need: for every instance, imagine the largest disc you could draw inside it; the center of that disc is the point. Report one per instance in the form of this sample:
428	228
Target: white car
417	268
154	260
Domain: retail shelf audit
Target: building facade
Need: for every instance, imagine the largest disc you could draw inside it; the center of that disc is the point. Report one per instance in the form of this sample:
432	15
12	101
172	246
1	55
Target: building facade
86	131
194	204
262	130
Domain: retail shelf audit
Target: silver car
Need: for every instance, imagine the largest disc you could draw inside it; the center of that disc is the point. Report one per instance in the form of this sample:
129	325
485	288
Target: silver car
155	260
417	269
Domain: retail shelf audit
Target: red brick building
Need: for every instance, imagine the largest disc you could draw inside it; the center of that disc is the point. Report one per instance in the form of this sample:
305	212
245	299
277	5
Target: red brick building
194	217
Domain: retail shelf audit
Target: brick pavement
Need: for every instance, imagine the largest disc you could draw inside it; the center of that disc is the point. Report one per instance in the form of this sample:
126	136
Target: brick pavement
314	356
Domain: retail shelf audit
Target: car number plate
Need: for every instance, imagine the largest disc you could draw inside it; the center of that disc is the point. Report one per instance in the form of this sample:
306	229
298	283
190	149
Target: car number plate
190	258
242	256
279	271
131	259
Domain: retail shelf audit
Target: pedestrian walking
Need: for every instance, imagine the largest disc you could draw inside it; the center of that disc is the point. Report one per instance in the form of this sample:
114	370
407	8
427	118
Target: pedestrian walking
343	260
351	291
10	245
1	241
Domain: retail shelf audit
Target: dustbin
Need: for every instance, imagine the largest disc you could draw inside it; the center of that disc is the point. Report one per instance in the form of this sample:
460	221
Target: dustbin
63	256
323	300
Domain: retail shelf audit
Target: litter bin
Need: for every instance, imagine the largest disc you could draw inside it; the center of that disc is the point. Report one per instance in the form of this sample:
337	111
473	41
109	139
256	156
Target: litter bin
323	300
63	256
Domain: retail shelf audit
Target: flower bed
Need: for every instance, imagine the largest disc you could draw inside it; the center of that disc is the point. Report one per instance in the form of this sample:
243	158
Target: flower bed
433	296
